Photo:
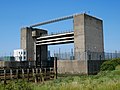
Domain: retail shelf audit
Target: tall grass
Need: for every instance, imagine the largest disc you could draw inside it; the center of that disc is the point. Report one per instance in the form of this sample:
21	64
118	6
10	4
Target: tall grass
105	80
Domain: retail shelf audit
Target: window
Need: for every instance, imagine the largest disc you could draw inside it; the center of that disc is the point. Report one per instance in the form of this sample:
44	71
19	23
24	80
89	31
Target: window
24	53
24	57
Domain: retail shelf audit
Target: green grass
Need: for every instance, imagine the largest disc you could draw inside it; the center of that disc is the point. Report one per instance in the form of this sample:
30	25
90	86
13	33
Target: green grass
105	80
102	81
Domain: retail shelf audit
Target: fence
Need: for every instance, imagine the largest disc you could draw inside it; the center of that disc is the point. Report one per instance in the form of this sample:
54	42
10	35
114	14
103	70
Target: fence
26	70
80	56
64	56
29	74
112	55
86	55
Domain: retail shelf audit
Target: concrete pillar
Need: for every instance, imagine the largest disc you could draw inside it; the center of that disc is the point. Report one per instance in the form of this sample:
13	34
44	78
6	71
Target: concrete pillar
28	39
27	42
88	38
79	37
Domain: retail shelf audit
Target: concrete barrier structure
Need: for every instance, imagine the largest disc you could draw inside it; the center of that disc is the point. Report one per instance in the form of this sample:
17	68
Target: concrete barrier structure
28	43
79	66
87	37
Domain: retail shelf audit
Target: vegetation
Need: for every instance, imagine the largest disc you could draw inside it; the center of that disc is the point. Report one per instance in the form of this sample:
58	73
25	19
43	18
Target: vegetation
110	64
105	80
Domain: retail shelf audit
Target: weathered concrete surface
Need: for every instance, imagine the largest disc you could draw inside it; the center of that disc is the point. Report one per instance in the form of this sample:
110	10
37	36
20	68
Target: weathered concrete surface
28	39
27	42
72	66
88	36
79	35
79	66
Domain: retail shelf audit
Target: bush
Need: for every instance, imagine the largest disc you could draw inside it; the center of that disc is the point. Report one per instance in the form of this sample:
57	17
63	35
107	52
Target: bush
110	65
17	85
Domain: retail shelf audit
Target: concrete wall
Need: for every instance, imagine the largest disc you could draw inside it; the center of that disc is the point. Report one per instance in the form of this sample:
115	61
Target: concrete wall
72	66
94	36
79	66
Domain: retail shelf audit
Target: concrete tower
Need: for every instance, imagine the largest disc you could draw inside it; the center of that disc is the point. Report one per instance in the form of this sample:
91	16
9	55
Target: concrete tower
88	38
28	43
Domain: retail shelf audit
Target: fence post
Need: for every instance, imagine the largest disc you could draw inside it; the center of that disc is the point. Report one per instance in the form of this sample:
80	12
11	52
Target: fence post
11	74
4	76
45	74
55	59
28	74
23	73
34	75
41	75
17	73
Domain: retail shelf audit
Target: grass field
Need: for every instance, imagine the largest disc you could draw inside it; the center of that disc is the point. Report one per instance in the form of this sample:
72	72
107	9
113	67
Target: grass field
106	80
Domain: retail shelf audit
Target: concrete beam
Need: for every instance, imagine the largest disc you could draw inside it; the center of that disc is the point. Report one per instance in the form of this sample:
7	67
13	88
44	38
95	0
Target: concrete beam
55	39
57	42
52	21
56	35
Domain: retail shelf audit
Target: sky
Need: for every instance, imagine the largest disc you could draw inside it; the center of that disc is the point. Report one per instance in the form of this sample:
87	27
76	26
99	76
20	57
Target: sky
15	14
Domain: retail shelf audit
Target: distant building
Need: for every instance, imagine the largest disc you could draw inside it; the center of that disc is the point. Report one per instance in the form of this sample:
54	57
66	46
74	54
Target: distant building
20	55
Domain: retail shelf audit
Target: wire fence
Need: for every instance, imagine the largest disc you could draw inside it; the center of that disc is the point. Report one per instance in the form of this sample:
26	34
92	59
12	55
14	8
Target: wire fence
86	55
71	55
112	55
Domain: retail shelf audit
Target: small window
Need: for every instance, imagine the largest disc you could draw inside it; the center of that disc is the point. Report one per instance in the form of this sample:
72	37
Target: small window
24	53
24	57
